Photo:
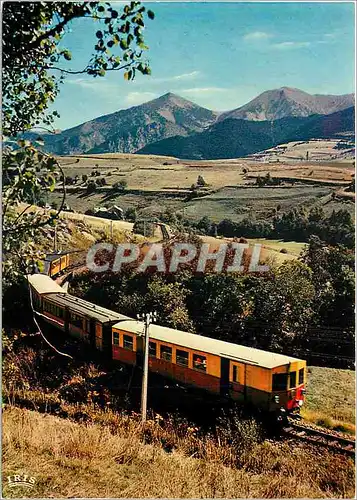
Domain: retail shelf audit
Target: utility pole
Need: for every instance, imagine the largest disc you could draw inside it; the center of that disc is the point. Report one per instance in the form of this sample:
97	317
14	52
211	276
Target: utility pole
148	318
55	240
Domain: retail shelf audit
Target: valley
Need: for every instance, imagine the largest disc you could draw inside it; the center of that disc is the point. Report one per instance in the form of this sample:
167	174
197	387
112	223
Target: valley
155	185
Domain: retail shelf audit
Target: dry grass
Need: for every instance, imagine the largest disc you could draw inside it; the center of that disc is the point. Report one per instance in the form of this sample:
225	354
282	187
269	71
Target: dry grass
89	460
330	399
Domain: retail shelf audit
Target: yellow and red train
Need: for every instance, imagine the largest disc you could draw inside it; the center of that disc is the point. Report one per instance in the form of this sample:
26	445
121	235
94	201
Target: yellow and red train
272	382
57	262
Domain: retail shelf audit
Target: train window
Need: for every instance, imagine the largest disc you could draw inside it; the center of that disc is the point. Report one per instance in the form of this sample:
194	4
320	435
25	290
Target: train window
166	353
181	357
152	349
301	376
292	382
235	373
128	342
280	381
115	338
199	362
53	309
76	320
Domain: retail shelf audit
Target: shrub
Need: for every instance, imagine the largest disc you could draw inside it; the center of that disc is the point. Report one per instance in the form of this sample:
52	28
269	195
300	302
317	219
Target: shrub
91	187
121	185
200	181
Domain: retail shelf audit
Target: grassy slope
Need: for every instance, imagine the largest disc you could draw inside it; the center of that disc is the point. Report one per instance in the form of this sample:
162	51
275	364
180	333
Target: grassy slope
331	400
78	460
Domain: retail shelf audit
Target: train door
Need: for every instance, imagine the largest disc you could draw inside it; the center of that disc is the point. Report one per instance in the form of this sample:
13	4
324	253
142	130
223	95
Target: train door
106	340
224	386
98	335
66	320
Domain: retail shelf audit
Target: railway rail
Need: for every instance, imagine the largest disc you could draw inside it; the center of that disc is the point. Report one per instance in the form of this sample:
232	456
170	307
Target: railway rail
320	438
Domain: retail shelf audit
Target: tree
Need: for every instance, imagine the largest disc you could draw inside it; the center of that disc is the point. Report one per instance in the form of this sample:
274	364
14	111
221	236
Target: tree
283	307
204	225
259	181
169	299
32	53
34	66
120	186
130	214
84	178
91	187
333	278
200	181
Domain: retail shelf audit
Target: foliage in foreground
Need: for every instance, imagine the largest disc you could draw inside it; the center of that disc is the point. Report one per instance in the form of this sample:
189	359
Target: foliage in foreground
33	67
91	460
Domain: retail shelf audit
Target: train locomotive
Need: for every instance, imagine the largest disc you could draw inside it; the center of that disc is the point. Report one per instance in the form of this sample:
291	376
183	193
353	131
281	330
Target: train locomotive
271	382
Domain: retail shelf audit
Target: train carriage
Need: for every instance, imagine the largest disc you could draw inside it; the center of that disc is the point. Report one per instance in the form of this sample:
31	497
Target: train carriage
272	382
74	316
251	376
56	263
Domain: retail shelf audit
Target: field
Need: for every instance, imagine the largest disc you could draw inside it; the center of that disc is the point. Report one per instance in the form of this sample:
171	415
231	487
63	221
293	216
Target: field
156	183
331	398
318	150
108	458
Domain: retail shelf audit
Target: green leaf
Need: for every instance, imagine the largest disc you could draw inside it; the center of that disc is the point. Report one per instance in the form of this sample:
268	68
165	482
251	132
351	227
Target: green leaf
67	55
123	44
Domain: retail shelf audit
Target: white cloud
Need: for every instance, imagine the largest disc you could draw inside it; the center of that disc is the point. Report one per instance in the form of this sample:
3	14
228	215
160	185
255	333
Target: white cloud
134	98
183	77
202	90
92	83
290	45
256	35
186	76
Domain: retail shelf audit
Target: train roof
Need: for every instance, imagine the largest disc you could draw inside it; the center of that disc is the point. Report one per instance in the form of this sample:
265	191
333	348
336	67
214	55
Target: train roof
86	308
43	284
56	255
236	352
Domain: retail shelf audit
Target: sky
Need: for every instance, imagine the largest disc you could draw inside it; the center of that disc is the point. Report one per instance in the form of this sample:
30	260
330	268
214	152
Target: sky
218	55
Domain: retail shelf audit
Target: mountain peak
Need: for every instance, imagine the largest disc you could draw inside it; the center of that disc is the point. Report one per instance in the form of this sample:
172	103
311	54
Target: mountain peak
172	100
288	101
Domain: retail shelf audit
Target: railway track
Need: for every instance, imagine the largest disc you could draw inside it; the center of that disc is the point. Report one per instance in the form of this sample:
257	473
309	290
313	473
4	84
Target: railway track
320	438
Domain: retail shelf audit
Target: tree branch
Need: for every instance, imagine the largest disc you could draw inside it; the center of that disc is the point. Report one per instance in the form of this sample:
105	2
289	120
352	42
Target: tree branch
83	71
53	31
22	227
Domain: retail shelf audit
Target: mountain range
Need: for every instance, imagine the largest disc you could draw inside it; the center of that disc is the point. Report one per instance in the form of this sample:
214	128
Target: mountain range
233	138
172	125
286	101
